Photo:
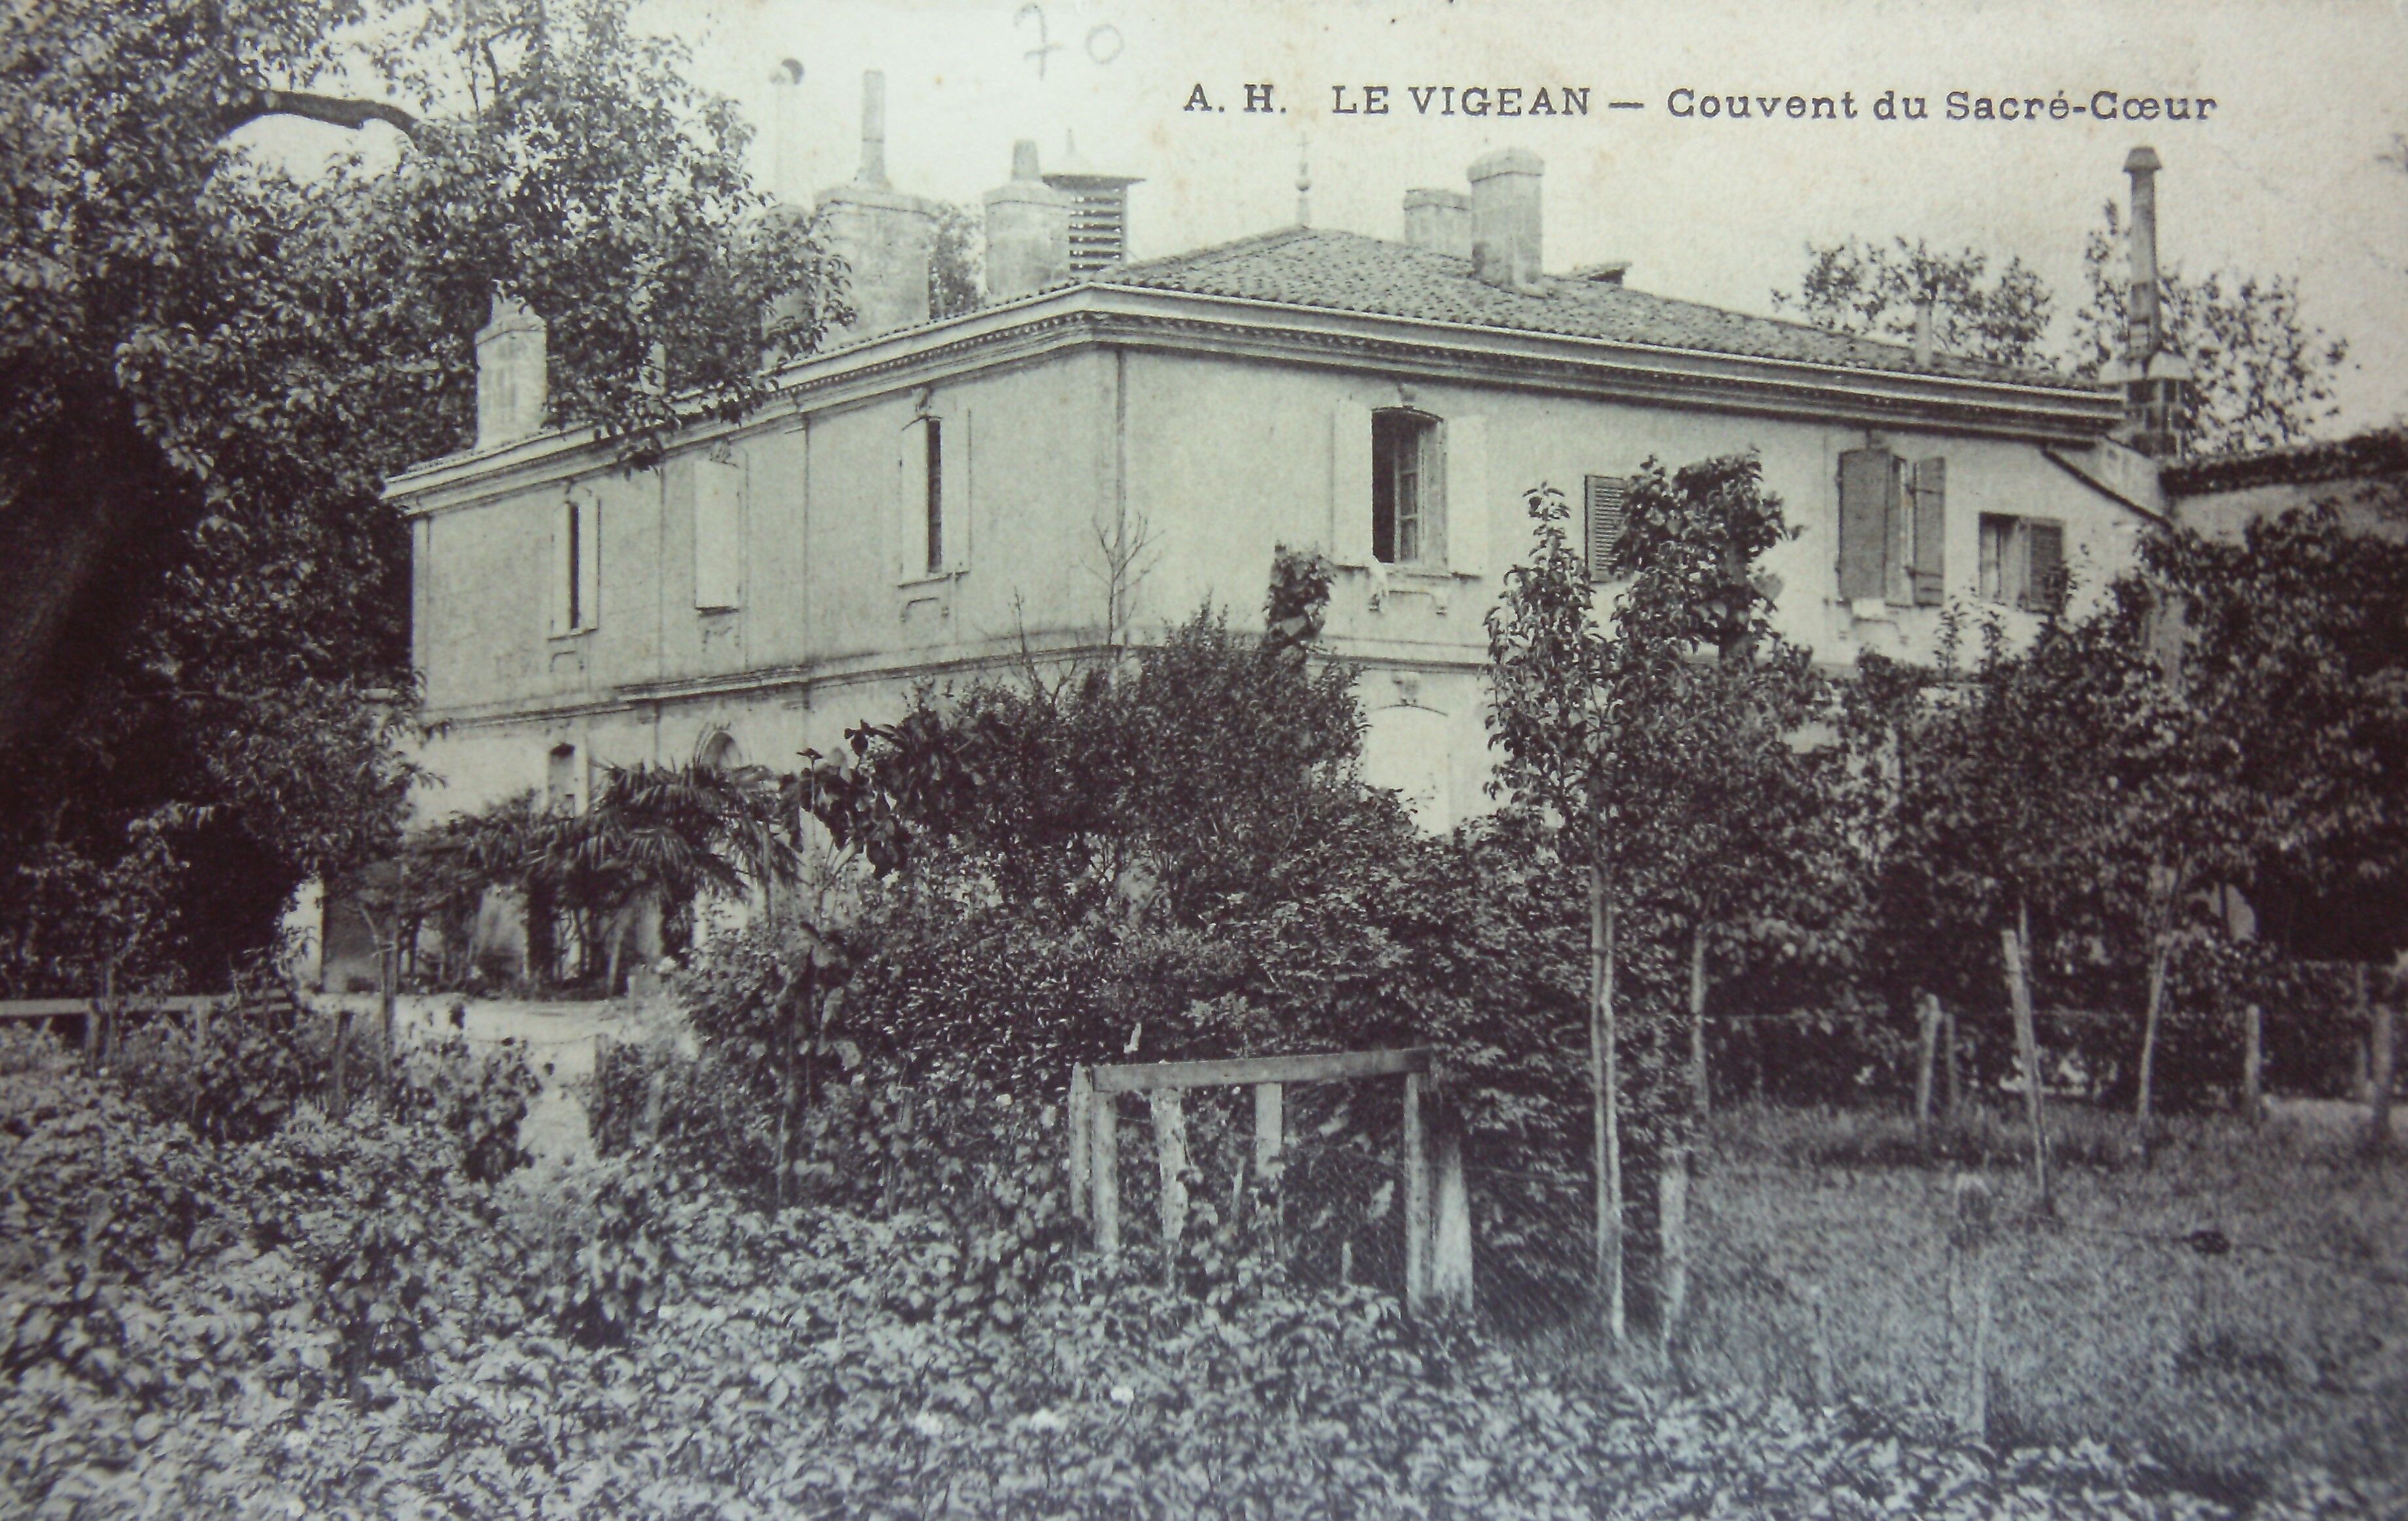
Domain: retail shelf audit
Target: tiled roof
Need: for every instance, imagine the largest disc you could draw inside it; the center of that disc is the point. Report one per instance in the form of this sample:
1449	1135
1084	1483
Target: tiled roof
2381	452
1314	266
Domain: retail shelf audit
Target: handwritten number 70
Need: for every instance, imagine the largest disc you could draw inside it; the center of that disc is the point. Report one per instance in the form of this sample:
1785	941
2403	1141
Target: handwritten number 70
1103	42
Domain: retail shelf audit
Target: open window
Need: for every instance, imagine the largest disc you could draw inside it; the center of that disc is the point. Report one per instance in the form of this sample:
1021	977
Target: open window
1409	489
576	565
2023	563
933	503
1893	528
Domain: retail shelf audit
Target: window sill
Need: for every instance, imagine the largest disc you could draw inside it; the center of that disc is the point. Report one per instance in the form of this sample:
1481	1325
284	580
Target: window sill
572	633
928	578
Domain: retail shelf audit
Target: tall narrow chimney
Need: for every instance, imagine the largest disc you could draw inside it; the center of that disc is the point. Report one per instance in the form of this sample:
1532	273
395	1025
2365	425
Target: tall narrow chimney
2156	379
1506	223
1439	221
2145	336
1027	231
513	373
886	237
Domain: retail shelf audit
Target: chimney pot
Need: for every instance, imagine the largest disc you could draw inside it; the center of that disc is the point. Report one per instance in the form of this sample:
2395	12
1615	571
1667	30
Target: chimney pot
2155	381
1506	224
1023	160
513	373
1439	221
873	128
886	238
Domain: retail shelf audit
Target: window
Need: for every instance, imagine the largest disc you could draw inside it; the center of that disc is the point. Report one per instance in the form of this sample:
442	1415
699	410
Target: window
560	780
933	507
2023	563
1404	518
576	566
1893	528
1409	489
718	531
1603	499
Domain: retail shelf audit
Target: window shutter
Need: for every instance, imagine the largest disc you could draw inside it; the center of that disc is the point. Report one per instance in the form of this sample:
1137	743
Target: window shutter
1349	485
1604	499
1930	489
1867	480
563	566
719	532
954	461
2044	576
589	562
908	515
1466	507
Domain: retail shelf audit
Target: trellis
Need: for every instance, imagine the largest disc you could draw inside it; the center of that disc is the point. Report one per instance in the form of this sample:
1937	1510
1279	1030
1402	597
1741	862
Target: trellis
1437	1208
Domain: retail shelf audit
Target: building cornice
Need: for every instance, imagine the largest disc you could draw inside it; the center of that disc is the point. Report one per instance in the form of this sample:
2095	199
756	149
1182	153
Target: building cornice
1134	317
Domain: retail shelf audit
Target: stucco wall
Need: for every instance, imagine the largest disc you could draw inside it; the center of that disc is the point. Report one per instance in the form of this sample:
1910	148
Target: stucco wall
1214	459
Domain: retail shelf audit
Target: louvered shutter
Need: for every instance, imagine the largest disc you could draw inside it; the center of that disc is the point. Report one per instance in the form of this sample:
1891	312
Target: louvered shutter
718	531
1930	491
2044	565
953	491
1466	495
1349	485
1868	482
1605	499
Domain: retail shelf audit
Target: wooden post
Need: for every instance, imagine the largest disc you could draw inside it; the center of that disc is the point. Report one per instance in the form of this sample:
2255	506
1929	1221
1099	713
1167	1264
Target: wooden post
1969	1236
1700	1080
1081	1116
1604	1102
1819	1349
2382	1064
1416	1159
2149	1022
2253	1062
1952	1059
388	968
1106	1181
1170	1156
2015	943
1270	1133
1450	1257
343	1056
1672	1201
1931	1023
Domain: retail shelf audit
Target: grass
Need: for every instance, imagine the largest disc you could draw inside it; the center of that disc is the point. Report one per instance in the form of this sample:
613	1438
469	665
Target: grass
2288	1346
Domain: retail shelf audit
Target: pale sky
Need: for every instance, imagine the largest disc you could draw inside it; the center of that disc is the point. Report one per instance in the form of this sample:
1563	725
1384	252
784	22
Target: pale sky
2282	176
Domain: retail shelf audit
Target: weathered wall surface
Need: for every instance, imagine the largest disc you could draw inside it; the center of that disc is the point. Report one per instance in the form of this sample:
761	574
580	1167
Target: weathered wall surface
1202	463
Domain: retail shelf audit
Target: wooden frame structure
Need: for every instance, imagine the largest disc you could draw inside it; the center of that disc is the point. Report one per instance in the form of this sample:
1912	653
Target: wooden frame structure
1438	1206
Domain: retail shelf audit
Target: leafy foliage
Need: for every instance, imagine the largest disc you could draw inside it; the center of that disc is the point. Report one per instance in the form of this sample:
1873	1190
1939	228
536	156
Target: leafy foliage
1872	290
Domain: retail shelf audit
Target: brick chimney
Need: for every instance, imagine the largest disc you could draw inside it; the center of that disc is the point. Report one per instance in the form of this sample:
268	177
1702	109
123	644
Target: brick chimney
1439	221
2155	379
513	373
884	236
1506	225
1027	231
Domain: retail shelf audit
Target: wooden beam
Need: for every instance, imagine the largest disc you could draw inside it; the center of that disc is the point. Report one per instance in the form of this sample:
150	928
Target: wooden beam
1416	1160
1170	1156
1328	1067
1106	1182
1082	1116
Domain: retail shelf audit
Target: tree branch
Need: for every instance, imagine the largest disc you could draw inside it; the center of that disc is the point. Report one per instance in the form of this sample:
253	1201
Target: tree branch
334	109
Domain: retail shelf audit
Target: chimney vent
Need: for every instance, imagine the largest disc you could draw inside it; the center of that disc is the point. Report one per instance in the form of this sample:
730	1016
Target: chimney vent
513	373
1506	222
1439	221
1027	231
1099	211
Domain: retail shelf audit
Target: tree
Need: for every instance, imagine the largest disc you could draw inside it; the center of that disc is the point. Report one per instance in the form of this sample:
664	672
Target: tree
209	366
2262	376
956	266
1871	290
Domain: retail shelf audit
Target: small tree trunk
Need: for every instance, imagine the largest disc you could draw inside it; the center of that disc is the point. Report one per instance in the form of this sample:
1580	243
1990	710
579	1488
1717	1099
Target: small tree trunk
388	967
2016	943
1604	1079
2382	1058
2253	1062
2157	960
1699	1079
342	1058
1930	1023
